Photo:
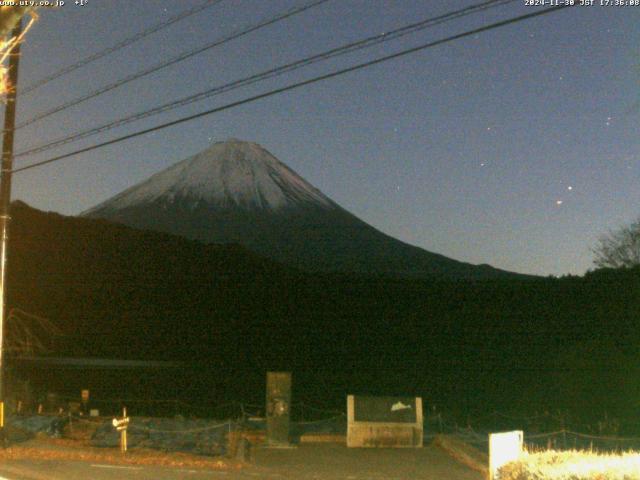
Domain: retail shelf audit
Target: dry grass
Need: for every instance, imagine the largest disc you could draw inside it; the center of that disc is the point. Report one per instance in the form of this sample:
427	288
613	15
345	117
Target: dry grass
573	465
73	450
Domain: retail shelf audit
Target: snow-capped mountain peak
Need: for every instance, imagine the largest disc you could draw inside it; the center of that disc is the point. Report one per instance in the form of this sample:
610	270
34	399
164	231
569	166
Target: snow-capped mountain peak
228	174
237	192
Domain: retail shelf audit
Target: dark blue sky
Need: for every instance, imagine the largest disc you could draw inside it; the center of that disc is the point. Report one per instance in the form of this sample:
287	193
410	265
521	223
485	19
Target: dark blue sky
517	147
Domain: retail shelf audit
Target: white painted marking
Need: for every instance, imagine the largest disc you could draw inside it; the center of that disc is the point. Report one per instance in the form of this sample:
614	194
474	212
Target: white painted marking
185	470
120	467
399	406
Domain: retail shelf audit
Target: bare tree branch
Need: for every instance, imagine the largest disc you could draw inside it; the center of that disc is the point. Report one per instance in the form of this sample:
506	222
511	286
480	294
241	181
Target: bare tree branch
619	248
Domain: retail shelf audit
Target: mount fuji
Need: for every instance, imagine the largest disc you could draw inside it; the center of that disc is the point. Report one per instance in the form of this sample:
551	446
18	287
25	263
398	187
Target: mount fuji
238	192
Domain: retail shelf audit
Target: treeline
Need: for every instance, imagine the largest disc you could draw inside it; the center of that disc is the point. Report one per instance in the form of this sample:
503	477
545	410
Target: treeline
230	315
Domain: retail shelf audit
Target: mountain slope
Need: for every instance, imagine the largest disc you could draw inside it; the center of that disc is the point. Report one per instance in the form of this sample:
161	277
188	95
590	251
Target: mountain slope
237	192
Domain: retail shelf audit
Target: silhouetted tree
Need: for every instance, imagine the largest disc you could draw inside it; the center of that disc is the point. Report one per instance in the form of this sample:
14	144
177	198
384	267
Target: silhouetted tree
619	248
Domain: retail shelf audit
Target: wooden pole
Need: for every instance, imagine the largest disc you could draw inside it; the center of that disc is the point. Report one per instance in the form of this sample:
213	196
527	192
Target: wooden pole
123	433
5	200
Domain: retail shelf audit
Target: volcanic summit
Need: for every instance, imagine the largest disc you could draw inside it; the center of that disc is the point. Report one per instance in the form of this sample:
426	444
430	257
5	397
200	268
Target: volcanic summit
238	192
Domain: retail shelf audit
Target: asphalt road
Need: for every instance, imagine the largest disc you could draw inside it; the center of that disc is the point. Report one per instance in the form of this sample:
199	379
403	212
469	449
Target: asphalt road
306	462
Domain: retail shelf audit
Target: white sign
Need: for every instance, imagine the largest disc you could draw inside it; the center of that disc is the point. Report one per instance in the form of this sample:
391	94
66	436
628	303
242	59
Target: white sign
503	448
120	424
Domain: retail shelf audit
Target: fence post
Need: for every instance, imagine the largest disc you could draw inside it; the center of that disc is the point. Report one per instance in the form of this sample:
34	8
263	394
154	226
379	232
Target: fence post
123	433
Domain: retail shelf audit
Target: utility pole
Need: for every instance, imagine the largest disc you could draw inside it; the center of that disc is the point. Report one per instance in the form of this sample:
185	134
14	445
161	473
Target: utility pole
5	201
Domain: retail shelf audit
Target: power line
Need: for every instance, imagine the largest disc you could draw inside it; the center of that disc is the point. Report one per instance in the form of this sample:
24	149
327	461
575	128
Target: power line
332	53
297	85
183	56
124	43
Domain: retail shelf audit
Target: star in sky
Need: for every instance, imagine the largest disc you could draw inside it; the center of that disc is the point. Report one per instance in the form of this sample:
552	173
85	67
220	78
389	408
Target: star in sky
487	95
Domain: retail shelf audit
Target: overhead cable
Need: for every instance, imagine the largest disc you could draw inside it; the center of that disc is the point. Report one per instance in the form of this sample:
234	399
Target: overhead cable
296	85
124	43
166	63
271	73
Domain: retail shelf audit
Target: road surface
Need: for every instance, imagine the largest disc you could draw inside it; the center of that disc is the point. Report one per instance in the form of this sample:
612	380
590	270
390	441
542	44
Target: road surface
305	462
